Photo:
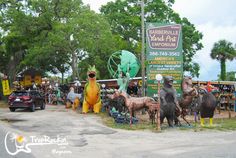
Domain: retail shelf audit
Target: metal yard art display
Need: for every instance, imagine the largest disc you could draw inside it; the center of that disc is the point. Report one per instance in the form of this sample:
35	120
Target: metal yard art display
163	54
123	65
124	61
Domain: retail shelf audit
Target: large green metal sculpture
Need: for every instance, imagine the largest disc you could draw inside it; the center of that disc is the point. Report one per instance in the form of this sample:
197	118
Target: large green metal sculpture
123	65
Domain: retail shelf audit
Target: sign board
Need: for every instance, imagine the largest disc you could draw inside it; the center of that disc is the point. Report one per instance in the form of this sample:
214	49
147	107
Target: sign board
6	87
28	80
164	54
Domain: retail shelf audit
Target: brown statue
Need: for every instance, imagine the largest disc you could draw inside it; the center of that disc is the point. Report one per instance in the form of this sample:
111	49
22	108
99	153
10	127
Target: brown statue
187	98
153	108
136	103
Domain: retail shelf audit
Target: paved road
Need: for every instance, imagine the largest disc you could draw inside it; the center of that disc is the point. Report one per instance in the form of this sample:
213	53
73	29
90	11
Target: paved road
11	147
85	136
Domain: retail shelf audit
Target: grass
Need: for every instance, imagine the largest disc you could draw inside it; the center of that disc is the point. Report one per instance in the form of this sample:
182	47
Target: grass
222	124
3	104
109	121
218	124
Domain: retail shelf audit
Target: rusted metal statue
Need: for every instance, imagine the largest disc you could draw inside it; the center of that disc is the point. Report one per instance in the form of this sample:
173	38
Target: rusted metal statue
116	101
187	98
153	108
137	103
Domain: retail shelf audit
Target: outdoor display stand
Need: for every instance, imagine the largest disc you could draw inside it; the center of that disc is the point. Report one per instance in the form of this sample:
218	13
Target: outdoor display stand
235	101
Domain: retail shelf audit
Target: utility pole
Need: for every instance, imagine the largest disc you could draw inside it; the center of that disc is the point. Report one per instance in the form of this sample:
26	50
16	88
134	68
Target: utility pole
142	53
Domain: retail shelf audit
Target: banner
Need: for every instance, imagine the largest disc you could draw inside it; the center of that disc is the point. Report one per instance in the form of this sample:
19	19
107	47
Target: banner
163	54
27	80
6	87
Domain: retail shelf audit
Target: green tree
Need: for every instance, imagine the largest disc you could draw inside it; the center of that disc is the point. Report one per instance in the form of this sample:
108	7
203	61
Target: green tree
74	36
230	76
125	21
38	33
13	43
222	51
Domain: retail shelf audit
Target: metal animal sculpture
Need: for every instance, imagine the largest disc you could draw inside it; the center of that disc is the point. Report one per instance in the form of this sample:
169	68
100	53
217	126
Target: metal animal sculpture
117	102
169	101
134	103
187	98
92	99
153	107
207	103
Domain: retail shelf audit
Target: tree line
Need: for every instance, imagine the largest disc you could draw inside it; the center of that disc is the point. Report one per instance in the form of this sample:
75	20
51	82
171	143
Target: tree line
57	35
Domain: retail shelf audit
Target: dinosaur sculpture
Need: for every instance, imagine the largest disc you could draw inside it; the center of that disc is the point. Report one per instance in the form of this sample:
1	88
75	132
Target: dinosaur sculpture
92	99
169	101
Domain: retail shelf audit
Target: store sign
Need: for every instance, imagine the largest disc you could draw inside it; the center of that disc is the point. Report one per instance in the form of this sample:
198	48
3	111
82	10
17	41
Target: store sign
163	54
6	87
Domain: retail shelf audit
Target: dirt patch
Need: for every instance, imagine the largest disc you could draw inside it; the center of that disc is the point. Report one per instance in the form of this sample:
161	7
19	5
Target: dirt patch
221	122
222	115
3	104
12	120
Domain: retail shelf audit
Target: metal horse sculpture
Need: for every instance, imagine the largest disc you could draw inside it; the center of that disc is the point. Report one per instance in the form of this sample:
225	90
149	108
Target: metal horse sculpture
187	98
137	103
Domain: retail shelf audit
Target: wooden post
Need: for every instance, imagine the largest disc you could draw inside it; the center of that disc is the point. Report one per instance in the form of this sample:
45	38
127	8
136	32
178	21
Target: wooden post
228	105
159	107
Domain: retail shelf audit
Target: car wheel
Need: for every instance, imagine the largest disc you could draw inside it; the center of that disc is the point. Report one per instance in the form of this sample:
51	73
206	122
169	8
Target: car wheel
32	108
12	109
43	106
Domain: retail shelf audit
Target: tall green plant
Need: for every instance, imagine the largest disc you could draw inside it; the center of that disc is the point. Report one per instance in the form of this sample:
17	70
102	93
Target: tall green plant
222	51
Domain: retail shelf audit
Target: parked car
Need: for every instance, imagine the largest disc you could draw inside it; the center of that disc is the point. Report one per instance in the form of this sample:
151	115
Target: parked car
26	99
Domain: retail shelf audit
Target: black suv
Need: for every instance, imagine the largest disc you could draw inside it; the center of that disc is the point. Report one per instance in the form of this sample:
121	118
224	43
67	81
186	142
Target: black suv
26	99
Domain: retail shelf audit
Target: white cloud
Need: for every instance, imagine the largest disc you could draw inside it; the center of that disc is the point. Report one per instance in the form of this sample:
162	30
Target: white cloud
219	12
96	4
216	19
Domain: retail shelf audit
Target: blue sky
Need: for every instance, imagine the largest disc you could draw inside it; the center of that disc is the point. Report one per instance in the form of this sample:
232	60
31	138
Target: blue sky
216	19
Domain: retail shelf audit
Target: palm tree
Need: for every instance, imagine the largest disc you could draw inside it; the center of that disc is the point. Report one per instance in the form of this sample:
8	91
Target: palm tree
222	51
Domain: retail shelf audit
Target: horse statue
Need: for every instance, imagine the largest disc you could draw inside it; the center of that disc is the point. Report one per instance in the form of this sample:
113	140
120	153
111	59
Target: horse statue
137	103
187	98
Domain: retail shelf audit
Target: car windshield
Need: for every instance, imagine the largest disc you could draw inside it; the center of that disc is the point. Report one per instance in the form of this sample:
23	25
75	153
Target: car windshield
19	94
